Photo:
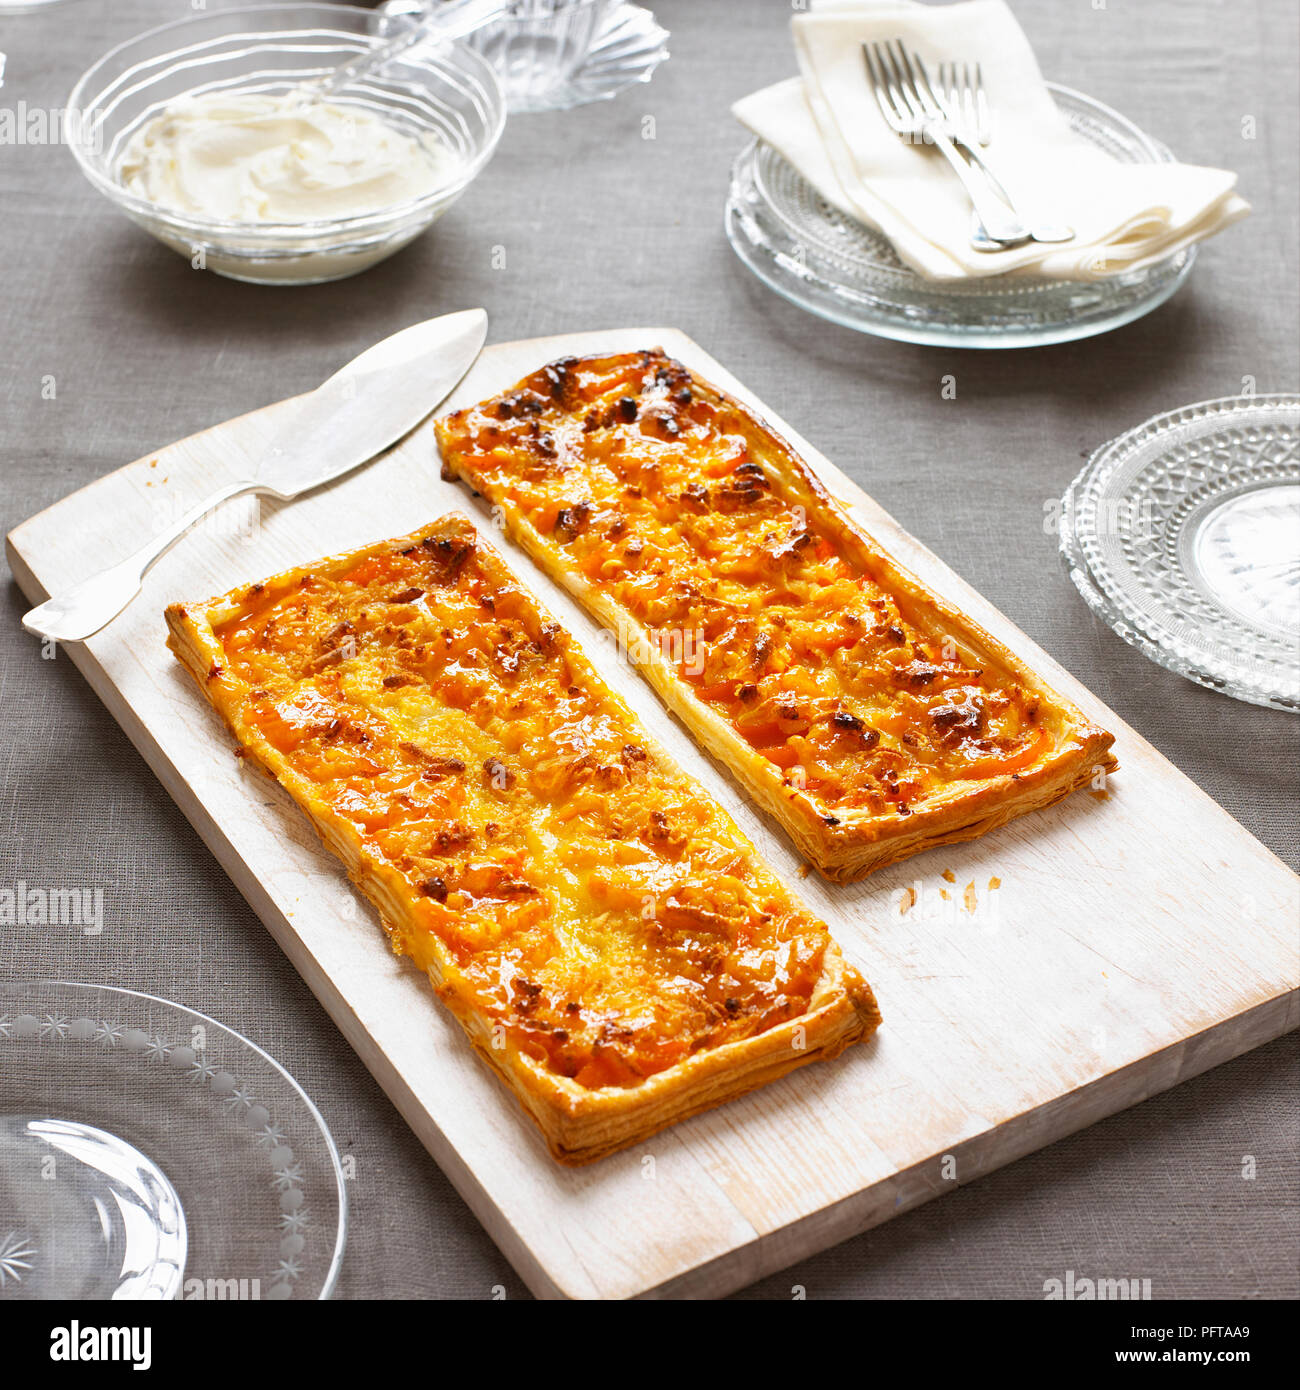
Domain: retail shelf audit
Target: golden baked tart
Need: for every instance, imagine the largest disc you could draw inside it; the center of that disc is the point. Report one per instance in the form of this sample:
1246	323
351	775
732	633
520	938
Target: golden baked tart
601	928
870	717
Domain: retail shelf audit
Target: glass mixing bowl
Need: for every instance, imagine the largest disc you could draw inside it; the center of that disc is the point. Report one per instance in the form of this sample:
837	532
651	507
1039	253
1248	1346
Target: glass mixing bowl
445	93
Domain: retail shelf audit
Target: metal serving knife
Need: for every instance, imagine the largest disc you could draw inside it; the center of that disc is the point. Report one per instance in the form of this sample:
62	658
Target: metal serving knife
362	409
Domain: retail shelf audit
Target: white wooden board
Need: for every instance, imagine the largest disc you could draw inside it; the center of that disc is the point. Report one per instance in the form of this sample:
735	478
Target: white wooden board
1135	939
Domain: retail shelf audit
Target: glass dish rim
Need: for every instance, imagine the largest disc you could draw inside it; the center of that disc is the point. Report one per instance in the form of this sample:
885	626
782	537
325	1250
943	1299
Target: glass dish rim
206	227
535	19
328	1284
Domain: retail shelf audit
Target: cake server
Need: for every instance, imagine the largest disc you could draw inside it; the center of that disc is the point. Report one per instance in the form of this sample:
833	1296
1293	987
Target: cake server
359	412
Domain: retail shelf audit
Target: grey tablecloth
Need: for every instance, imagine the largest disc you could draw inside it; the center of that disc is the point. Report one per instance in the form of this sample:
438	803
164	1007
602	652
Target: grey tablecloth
603	227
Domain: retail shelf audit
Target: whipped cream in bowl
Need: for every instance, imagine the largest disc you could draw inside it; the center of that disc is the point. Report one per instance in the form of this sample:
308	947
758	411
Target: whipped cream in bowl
279	158
200	132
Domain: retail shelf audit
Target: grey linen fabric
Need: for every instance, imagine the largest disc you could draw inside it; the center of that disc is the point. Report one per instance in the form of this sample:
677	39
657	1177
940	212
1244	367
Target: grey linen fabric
603	227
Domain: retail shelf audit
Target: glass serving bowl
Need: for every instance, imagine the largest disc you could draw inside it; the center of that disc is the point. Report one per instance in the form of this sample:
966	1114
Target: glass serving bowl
554	54
149	1152
537	45
447	93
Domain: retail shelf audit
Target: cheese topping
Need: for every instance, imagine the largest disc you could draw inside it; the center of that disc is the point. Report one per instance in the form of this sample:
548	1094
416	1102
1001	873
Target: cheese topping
583	896
654	494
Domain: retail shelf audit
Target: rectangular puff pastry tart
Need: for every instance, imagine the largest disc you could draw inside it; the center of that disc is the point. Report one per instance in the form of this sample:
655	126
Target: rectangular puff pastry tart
868	716
603	931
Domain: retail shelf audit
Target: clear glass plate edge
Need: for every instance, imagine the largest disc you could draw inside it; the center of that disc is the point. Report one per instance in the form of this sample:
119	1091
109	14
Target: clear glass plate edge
963	338
1222	673
330	1280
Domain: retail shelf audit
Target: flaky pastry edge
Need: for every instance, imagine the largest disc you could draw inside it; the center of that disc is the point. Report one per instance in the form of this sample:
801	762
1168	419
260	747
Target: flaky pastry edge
579	1125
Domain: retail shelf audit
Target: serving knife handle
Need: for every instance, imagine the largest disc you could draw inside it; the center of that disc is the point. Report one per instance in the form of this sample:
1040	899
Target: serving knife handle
84	609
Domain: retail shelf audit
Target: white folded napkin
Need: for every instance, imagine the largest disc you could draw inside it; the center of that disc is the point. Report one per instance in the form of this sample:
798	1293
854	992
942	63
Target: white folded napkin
827	124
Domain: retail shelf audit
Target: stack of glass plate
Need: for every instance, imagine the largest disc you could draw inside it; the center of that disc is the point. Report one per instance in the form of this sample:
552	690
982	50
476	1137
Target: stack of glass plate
1183	536
835	267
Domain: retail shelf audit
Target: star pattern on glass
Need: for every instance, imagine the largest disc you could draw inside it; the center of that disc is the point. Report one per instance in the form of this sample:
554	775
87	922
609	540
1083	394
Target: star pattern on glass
240	1096
14	1252
201	1071
287	1177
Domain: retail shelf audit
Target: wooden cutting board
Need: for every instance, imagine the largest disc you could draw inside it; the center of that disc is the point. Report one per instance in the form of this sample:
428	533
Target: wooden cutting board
1055	971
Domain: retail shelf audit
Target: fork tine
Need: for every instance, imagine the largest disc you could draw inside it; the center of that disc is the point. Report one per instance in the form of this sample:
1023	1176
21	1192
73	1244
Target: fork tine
965	102
902	72
879	86
884	69
874	75
982	122
904	112
904	78
924	87
869	58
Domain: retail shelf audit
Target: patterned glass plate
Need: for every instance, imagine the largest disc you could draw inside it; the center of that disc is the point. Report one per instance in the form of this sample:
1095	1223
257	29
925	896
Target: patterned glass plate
832	265
1183	536
148	1152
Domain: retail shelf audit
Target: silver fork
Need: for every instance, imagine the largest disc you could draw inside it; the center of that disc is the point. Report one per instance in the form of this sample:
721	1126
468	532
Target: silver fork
963	89
911	110
960	92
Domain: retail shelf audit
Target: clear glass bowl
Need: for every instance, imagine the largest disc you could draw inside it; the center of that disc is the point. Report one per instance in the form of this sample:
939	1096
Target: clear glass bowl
147	1151
554	54
1183	537
819	258
447	93
537	46
628	47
